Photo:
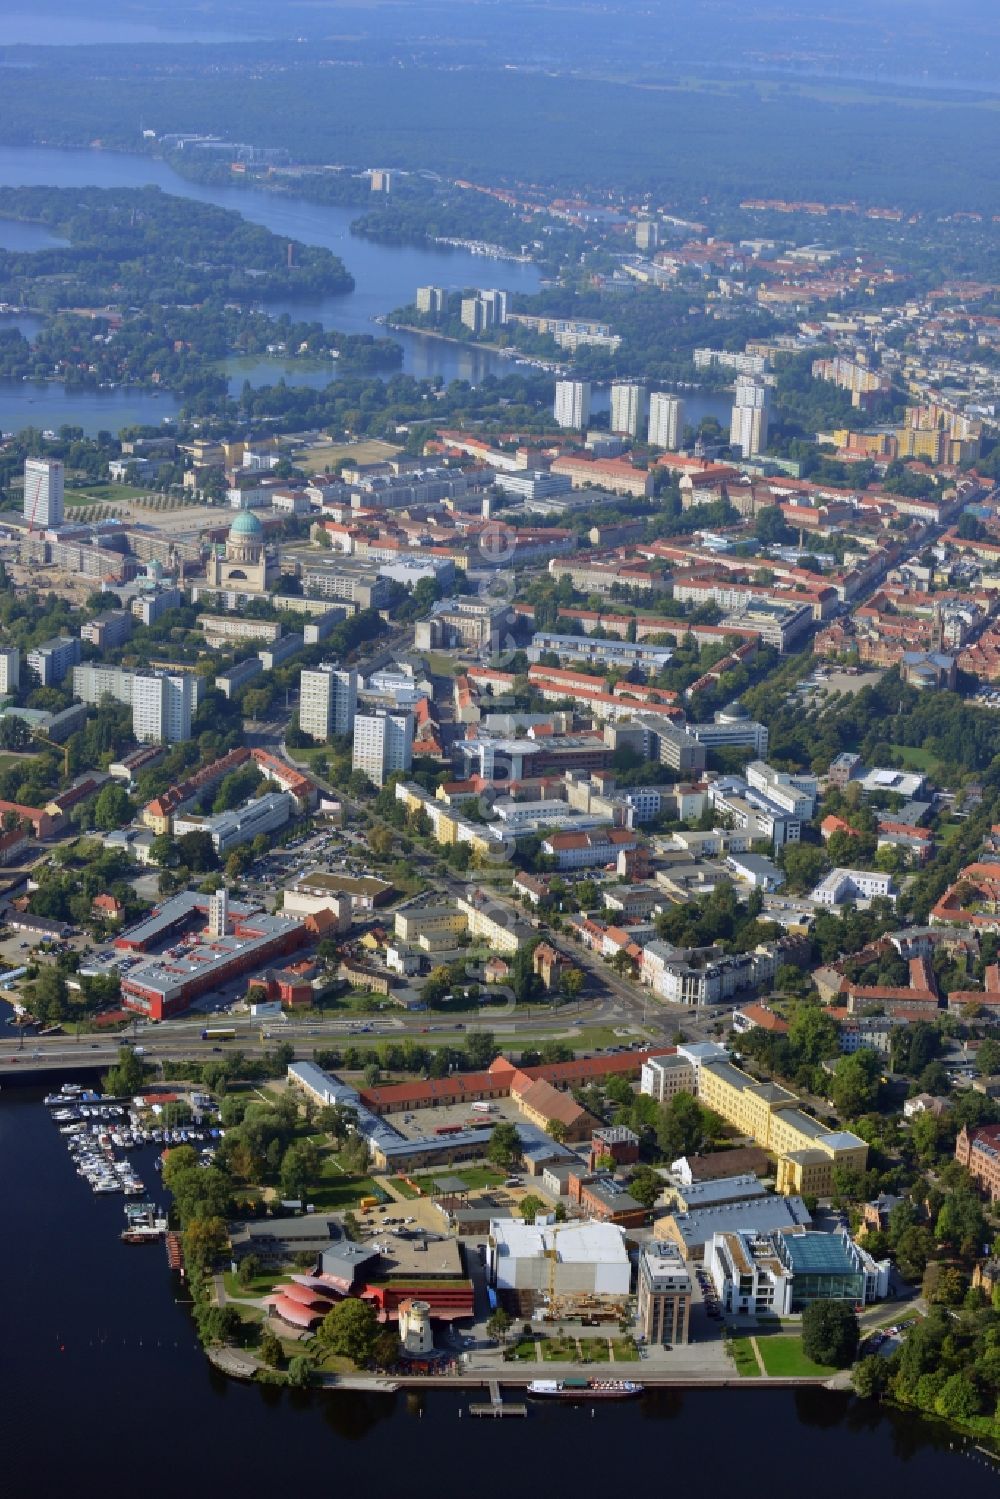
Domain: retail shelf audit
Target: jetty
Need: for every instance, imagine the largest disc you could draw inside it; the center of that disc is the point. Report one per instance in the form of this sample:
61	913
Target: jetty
496	1409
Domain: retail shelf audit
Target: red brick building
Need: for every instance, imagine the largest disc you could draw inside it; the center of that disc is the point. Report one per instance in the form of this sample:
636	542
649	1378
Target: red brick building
978	1150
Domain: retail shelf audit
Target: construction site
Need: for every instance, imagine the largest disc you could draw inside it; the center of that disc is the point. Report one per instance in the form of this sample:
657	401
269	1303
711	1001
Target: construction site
558	1271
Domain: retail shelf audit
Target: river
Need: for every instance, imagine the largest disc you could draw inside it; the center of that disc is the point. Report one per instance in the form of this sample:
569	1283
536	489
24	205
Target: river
106	1390
386	276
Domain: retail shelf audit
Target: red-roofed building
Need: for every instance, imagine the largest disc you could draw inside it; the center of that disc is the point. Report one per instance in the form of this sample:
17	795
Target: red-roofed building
759	1017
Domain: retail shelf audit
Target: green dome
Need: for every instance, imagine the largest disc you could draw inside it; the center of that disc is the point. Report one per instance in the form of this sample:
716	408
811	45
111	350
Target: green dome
246	524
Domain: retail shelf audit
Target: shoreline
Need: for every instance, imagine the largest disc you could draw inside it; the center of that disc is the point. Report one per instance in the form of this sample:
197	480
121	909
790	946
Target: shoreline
238	1364
504	351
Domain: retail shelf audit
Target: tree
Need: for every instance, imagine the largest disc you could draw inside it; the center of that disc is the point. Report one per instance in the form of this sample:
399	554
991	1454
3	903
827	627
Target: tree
113	809
299	1372
354	1155
830	1333
381	841
299	1166
204	1241
530	1206
350	1330
271	1350
813	1034
505	1145
958	1398
988	1058
197	851
571	982
804	865
645	1186
943	1284
498	1325
854	1085
870	1376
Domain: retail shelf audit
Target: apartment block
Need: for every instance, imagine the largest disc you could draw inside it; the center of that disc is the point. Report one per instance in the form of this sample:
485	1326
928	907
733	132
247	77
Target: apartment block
53	659
328	702
666	421
383	744
162	707
572	404
108	630
10	670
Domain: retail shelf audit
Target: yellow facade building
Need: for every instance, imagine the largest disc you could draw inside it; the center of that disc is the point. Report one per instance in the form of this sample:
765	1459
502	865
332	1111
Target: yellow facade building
807	1151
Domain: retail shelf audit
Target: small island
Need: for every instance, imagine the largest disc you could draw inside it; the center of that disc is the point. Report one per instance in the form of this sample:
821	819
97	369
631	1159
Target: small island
156	291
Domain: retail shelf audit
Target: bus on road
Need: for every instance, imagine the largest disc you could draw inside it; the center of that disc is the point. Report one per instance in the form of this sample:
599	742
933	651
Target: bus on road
219	1033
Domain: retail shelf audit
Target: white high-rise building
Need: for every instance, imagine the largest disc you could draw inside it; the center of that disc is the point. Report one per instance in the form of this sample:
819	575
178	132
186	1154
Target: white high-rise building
748	426
43	492
10	669
666	420
431	300
162	707
328	701
629	404
383	744
497	301
572	407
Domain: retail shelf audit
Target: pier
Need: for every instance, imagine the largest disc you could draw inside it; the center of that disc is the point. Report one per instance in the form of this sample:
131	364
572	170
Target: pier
496	1408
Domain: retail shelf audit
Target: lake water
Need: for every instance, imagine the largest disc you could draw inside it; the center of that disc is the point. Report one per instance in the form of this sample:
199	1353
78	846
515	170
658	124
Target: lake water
17	236
107	1391
385	276
28	29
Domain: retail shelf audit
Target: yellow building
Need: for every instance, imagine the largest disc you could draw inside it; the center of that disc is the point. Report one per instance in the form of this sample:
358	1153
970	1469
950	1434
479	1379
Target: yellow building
488	922
430	927
807	1151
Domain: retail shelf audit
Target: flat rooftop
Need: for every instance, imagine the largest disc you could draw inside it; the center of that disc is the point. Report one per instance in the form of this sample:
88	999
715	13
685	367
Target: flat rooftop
171	970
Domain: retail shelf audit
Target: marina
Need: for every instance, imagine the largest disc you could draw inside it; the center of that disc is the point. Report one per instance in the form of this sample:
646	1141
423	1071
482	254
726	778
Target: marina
95	1129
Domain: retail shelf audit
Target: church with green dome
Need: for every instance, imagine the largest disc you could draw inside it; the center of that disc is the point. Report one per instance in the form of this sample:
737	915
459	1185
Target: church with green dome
246	566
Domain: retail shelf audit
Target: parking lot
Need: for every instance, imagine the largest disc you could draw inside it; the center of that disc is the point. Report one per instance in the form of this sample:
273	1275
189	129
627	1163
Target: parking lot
419	1123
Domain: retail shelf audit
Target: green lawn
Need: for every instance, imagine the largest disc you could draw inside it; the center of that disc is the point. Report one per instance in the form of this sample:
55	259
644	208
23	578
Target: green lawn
474	1178
913	757
260	1285
404	1189
625	1350
783	1358
337	1188
595	1350
442	666
523	1350
746	1364
559	1351
104	494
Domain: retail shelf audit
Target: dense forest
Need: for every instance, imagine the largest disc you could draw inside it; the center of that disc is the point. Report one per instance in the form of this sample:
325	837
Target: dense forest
143	245
679	142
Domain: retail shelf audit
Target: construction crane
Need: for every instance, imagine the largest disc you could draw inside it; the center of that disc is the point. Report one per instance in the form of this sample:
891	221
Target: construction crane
552	1255
63	749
